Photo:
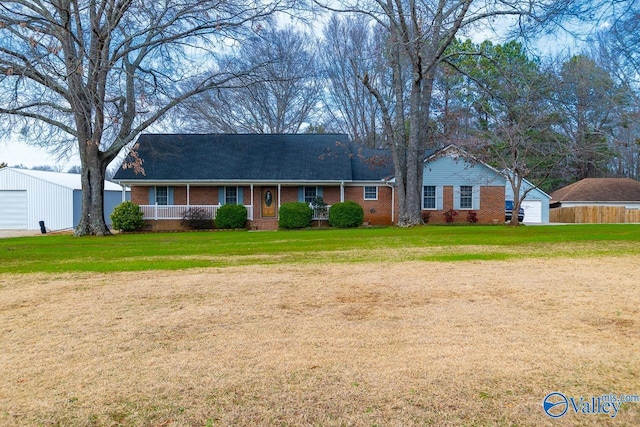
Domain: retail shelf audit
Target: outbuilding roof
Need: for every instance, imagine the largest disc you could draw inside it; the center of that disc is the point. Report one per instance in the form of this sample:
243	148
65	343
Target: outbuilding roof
599	190
71	181
255	157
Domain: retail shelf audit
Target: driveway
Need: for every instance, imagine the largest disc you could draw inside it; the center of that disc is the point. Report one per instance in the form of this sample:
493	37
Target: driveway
18	233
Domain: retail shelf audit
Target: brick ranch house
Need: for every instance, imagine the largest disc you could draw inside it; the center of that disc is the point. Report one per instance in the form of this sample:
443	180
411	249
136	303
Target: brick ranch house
263	171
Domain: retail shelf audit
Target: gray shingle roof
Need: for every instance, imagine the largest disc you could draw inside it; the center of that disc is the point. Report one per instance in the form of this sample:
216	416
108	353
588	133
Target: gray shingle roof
370	164
260	157
599	190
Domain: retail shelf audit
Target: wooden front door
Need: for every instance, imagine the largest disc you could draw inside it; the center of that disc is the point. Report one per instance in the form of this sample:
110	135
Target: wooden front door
269	202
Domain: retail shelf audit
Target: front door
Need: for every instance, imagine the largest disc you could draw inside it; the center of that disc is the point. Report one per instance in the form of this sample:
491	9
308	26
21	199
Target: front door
269	202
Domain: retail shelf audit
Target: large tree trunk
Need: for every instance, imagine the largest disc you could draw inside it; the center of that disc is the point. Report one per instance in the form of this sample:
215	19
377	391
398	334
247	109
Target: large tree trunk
410	206
411	214
411	210
93	174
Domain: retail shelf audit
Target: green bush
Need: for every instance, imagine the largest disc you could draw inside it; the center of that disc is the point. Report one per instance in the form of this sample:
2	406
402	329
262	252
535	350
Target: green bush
295	215
196	219
231	216
346	215
127	216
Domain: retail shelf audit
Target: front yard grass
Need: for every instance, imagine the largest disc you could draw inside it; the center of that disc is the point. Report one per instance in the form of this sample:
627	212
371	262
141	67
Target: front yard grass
173	251
429	326
400	343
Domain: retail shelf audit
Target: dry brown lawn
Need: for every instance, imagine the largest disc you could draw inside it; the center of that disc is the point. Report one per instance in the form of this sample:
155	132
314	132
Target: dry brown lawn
399	344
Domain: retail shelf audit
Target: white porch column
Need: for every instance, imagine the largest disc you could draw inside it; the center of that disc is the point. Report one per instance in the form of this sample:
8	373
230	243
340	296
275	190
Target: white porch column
393	204
342	192
279	187
251	204
124	193
188	194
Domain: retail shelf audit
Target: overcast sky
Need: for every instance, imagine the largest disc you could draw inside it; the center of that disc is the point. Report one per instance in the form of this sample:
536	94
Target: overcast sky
18	153
15	152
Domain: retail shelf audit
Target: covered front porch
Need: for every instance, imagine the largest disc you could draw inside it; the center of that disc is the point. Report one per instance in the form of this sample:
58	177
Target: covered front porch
158	212
168	203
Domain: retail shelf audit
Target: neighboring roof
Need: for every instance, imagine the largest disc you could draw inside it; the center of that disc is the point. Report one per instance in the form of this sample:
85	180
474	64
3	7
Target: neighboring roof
71	181
599	190
245	157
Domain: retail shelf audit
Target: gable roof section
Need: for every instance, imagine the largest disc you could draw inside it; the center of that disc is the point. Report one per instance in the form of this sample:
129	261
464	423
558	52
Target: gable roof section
246	157
72	181
455	152
599	190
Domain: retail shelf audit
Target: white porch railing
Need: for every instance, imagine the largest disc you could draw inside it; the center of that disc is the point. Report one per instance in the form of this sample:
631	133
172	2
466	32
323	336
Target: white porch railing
320	213
154	212
177	211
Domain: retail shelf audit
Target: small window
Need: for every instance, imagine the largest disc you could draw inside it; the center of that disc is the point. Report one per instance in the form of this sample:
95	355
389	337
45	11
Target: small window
162	196
310	194
466	197
231	195
371	193
429	197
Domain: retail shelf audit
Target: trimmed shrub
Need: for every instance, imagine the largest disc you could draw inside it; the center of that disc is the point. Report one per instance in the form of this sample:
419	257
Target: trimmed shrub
295	215
127	216
197	219
231	216
347	214
450	215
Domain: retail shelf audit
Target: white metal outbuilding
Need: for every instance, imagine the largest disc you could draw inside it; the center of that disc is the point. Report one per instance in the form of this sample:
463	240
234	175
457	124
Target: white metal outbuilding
29	196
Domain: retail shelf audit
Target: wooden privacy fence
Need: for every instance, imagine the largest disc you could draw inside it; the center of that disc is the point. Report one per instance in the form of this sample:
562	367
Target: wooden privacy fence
594	215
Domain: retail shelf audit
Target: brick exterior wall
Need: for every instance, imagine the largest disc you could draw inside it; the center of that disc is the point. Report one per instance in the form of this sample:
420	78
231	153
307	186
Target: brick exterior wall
288	194
492	204
491	207
163	225
331	195
197	196
140	195
376	212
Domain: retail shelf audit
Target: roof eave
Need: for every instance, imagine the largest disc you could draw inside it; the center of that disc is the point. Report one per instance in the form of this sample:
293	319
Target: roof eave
147	182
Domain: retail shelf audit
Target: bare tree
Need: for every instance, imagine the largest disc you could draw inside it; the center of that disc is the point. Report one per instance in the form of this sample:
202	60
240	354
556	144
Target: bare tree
352	44
513	123
75	169
97	73
47	168
624	36
457	107
277	91
615	51
591	104
418	33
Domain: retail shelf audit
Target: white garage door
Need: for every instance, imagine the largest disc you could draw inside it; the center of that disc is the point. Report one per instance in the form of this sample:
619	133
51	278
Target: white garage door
532	210
13	210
